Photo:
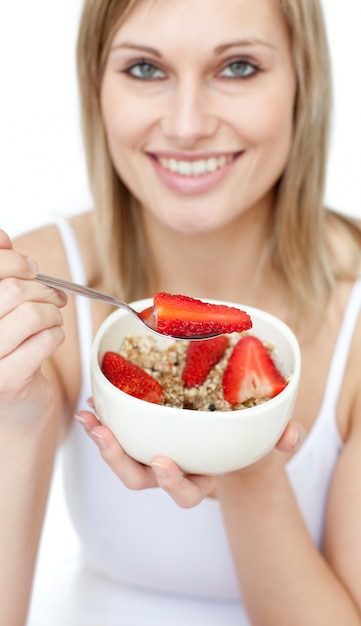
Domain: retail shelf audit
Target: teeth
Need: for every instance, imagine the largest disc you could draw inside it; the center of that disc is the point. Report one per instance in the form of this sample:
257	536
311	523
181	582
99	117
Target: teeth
195	168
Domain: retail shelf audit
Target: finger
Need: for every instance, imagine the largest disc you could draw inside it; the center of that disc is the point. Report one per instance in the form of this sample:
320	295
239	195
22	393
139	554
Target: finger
87	419
26	320
186	490
17	368
24	264
14	292
133	475
13	263
292	438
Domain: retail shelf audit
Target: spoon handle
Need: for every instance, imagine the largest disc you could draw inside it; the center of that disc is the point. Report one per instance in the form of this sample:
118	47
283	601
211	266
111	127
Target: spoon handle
82	290
146	317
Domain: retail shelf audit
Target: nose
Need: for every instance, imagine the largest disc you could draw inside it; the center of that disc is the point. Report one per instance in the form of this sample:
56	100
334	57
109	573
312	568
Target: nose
189	116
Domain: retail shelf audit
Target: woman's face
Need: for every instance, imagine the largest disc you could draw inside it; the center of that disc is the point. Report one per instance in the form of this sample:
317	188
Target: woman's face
197	101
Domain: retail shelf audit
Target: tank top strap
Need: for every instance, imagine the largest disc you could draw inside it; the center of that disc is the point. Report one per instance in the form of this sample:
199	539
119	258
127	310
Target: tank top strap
342	349
327	417
72	250
83	308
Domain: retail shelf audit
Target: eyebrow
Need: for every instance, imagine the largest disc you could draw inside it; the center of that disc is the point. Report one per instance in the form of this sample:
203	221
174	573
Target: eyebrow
134	46
218	50
253	41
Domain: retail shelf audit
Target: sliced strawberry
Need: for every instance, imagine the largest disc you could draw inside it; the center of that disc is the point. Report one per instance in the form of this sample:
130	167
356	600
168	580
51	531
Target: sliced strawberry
201	357
131	378
182	316
251	373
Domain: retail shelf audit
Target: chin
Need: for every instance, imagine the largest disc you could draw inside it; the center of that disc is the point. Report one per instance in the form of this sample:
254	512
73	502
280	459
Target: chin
193	223
193	227
197	218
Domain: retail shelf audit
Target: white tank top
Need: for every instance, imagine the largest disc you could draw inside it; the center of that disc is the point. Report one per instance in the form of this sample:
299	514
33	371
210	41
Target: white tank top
147	561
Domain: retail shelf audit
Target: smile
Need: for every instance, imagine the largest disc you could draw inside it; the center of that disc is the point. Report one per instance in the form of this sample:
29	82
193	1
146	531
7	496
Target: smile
195	168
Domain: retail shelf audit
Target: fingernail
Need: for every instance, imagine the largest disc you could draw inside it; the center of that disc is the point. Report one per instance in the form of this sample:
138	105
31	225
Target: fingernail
90	402
99	439
299	436
83	421
80	419
32	265
63	296
159	470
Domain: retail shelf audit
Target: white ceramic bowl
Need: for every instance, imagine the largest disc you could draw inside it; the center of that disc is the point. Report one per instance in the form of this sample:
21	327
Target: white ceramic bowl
200	442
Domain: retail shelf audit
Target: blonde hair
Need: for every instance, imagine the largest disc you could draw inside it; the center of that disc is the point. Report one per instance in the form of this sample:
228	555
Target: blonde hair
123	250
299	246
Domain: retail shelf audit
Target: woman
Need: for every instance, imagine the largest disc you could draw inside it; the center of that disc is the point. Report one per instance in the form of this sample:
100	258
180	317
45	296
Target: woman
206	132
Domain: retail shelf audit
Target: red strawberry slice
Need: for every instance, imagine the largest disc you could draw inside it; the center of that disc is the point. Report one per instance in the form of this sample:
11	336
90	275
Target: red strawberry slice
251	373
201	357
131	378
182	316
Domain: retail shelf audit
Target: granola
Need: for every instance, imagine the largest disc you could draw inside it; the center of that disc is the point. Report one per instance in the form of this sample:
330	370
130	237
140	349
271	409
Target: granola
166	365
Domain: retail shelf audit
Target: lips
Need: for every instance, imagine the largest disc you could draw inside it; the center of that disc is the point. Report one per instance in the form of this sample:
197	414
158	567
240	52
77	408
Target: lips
191	174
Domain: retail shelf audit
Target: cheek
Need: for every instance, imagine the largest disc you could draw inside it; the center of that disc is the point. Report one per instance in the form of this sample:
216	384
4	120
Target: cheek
270	123
121	120
271	143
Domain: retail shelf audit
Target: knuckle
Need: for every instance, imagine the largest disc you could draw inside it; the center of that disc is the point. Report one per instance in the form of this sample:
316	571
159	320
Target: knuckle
14	263
51	339
11	288
135	483
29	313
36	315
134	480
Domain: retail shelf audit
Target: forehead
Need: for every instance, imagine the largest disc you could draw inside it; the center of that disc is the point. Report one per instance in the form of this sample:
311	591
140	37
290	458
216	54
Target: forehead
191	21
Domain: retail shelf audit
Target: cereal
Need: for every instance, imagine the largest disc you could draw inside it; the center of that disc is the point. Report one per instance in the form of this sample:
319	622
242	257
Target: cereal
166	365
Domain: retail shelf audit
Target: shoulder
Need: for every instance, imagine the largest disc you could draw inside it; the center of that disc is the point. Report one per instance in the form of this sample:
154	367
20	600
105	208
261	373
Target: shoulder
344	237
46	246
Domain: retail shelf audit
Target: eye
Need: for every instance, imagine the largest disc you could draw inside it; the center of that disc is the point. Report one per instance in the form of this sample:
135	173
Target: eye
239	69
143	70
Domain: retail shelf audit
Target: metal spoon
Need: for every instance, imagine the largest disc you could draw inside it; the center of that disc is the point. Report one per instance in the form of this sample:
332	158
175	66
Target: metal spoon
146	316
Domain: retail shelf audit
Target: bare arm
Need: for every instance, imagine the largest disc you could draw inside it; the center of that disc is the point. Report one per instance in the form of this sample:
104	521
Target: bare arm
30	330
283	578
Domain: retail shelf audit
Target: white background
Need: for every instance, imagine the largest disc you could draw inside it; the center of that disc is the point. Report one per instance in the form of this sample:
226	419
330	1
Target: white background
42	172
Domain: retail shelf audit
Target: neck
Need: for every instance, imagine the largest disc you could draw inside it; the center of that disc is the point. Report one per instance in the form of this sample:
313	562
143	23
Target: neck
228	264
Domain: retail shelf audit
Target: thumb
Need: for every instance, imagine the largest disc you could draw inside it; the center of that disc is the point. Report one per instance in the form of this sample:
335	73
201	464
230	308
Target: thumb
292	437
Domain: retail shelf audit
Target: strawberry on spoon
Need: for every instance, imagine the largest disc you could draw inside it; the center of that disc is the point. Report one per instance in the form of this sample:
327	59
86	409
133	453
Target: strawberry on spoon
177	316
184	317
